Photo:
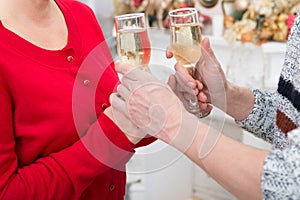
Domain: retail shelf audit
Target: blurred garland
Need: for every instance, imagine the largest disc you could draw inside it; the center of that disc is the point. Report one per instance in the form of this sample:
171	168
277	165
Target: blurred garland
153	9
128	6
260	21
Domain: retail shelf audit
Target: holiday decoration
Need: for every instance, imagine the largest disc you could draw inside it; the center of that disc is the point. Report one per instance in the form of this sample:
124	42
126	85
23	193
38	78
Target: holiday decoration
259	21
156	11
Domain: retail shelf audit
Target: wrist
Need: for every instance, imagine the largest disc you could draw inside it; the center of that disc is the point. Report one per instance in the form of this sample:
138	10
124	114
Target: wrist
134	140
239	101
183	133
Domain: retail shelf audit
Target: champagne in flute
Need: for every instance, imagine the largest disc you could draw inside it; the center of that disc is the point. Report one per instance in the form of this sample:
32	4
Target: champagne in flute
186	46
185	36
133	45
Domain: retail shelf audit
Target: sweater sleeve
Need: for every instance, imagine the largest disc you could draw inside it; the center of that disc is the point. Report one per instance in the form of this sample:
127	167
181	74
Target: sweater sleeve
63	174
261	121
66	173
281	171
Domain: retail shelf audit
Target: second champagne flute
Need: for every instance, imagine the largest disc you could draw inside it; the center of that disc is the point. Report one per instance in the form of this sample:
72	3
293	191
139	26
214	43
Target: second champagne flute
186	36
133	45
186	45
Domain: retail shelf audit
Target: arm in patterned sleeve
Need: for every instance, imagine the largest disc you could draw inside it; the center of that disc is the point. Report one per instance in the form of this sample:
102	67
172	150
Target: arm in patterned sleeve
261	121
284	104
281	172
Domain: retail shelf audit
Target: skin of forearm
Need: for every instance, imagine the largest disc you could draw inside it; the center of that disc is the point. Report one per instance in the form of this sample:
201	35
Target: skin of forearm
235	166
239	101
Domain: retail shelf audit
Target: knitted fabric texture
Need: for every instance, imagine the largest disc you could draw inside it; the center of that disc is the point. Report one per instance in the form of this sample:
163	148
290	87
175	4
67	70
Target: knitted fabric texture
276	118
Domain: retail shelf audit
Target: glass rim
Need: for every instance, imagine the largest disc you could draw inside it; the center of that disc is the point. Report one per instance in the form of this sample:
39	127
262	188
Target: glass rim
130	16
192	9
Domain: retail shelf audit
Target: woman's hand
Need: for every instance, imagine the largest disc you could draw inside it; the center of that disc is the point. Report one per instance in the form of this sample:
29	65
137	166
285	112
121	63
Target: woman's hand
184	86
131	131
151	106
217	90
214	83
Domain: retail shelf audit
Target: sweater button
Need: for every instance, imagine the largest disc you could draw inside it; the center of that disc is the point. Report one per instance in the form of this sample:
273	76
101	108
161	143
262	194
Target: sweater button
112	187
86	82
70	58
104	106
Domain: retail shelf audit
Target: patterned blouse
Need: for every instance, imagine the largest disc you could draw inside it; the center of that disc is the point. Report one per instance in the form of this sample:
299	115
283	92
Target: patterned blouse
276	119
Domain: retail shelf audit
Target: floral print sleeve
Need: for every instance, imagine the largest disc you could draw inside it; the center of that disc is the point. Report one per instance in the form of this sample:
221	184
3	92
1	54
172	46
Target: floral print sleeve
281	171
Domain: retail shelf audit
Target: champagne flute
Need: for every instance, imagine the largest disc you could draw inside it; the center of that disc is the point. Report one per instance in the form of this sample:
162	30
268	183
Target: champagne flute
133	45
186	45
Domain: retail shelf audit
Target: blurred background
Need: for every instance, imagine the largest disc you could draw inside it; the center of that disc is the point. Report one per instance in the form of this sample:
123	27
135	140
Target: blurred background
248	37
107	9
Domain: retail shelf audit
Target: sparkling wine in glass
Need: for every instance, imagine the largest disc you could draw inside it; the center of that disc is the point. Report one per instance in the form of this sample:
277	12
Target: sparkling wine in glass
186	45
133	45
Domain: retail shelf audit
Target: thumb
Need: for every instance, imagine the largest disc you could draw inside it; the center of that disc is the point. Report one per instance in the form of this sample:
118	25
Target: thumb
123	68
206	44
169	53
207	51
172	82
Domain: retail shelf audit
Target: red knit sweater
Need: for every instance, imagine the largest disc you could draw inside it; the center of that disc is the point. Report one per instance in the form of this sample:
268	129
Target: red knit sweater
42	115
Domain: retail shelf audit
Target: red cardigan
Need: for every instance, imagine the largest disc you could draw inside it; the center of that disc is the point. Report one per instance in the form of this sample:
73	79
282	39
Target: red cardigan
50	98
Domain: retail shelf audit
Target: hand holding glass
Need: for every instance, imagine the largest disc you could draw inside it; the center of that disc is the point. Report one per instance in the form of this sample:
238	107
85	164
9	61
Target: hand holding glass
186	45
133	45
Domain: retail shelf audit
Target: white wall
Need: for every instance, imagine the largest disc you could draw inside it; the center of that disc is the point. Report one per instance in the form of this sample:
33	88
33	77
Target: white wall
103	8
